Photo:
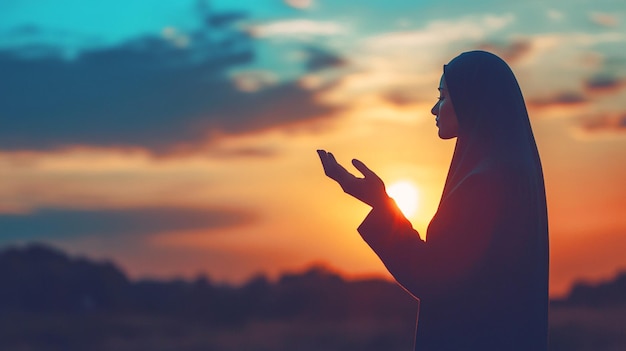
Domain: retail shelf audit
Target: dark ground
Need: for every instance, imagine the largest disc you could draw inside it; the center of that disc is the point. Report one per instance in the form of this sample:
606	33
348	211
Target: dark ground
49	301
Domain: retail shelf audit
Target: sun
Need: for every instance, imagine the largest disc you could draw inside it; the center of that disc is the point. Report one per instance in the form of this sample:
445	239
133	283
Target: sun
406	196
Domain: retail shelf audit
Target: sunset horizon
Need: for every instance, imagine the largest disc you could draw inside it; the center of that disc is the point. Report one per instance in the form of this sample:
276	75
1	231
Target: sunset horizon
179	139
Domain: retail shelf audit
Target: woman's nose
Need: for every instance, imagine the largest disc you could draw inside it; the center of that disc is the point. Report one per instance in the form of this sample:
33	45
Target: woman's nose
435	109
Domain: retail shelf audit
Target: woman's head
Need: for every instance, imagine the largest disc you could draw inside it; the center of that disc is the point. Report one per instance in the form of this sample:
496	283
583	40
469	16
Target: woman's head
446	120
486	97
482	105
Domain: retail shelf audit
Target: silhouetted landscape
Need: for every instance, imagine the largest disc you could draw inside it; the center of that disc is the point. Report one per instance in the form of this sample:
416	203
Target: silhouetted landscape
51	301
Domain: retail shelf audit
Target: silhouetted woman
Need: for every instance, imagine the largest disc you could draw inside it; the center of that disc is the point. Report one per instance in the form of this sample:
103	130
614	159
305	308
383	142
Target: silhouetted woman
482	274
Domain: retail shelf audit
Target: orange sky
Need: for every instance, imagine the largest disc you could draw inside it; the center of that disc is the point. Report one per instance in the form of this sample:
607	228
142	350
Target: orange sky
269	208
299	217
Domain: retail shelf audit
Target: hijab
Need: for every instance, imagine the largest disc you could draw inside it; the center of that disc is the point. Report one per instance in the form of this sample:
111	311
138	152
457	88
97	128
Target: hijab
493	214
494	128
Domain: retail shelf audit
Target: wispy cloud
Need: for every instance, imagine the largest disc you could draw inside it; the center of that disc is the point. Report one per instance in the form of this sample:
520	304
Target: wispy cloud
555	15
300	4
604	83
510	51
253	80
608	123
443	32
401	67
563	99
604	19
297	28
57	223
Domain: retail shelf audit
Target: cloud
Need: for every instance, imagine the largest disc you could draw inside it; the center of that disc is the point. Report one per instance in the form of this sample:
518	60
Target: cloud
604	19
546	49
25	30
393	65
511	51
604	84
555	15
299	4
558	100
610	123
230	153
253	80
313	59
296	28
147	93
401	97
443	32
57	222
319	59
175	36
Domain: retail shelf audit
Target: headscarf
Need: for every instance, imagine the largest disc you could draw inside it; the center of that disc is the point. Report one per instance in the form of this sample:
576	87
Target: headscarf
492	217
494	128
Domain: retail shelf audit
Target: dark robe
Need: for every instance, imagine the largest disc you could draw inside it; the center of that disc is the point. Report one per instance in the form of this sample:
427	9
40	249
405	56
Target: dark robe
481	276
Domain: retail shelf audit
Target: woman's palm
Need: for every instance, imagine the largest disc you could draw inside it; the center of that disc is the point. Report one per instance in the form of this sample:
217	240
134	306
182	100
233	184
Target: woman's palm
370	189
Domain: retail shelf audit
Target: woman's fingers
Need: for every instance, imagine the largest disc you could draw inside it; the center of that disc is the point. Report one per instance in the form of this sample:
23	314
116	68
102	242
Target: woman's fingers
342	174
327	163
324	160
369	190
363	169
332	168
334	164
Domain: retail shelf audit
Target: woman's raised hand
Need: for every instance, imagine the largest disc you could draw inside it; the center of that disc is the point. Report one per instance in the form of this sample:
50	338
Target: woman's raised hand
370	189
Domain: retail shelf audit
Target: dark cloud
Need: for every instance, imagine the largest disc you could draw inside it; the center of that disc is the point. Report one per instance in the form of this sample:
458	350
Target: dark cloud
559	99
55	222
27	29
148	93
605	123
319	59
604	83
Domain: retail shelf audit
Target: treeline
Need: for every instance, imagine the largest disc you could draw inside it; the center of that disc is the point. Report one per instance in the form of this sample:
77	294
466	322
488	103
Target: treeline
50	301
39	279
599	295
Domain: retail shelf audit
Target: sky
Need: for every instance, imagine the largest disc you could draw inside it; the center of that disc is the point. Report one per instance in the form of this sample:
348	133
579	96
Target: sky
178	138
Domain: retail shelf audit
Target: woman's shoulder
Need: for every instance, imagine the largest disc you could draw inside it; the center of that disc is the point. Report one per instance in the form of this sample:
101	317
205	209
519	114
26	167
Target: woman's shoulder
493	179
504	181
479	183
501	171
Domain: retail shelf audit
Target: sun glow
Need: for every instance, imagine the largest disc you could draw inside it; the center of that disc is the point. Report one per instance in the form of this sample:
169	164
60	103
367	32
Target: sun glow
406	196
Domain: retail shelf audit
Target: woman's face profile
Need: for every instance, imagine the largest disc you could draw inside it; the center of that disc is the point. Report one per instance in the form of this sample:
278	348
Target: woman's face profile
446	116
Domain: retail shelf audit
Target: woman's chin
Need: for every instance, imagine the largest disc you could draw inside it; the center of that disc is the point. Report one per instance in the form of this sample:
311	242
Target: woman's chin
445	136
